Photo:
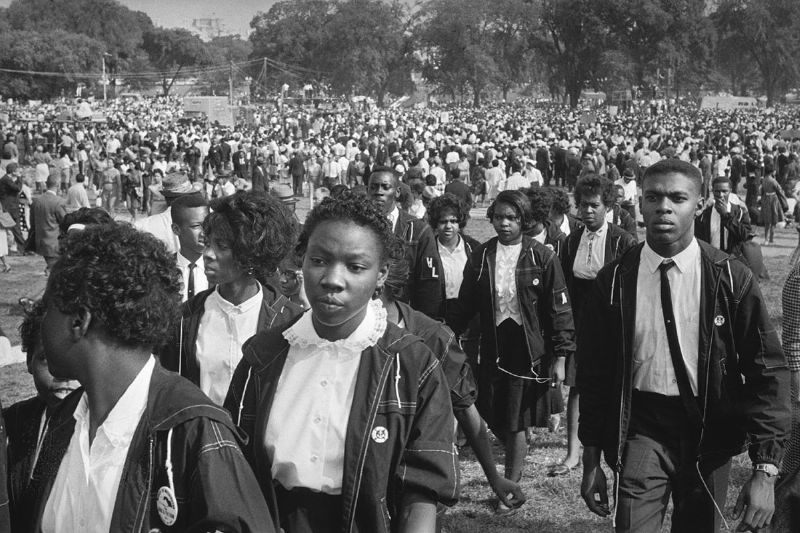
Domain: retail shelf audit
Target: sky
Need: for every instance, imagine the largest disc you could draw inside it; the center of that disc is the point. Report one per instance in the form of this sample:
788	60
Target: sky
234	15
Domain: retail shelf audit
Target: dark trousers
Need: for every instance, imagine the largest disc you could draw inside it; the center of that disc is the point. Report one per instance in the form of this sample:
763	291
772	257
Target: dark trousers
659	461
304	511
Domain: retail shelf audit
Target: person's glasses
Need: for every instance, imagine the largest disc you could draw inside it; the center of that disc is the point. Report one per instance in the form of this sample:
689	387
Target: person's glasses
499	218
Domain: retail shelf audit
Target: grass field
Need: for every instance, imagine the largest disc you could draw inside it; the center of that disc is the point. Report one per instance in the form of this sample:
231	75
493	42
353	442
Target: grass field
554	504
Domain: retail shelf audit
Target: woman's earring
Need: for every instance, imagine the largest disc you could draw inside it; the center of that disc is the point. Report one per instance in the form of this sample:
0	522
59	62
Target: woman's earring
378	292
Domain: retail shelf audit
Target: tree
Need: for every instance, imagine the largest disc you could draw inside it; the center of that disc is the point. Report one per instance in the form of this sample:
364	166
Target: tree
766	31
459	37
120	29
371	45
170	50
574	39
224	50
57	52
293	32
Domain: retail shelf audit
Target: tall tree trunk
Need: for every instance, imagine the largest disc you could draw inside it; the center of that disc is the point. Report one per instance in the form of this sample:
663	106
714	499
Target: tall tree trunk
574	93
476	98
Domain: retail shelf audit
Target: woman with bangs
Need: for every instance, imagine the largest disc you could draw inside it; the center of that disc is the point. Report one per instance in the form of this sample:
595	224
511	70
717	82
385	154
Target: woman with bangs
517	286
246	237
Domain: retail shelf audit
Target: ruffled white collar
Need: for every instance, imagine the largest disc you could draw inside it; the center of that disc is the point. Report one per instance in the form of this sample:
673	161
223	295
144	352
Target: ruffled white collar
303	335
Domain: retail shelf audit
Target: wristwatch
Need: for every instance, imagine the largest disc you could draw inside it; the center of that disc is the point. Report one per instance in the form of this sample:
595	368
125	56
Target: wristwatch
768	468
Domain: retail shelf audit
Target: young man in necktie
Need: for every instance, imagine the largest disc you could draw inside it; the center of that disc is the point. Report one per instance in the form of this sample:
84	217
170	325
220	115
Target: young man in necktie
678	368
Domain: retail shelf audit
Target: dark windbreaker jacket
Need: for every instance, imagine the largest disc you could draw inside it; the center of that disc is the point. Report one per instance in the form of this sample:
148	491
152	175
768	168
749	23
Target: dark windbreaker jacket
213	483
400	386
742	373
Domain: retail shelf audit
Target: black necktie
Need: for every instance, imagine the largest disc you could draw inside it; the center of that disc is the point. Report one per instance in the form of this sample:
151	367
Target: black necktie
190	282
681	375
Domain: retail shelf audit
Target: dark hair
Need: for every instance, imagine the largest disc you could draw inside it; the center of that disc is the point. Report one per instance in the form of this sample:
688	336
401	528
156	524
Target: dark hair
259	228
80	177
430	179
721	179
89	216
518	201
30	329
541	199
417	187
674	166
338	189
350	207
384	170
403	197
590	185
448	202
397	277
183	203
560	202
126	278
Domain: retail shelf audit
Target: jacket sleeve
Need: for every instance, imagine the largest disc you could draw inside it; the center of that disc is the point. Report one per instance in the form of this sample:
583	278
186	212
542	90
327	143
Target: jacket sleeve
428	470
223	492
596	367
791	320
737	225
556	312
765	393
425	291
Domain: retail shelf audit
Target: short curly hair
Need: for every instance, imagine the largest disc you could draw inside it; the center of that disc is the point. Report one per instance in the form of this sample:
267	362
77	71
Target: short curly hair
126	278
30	329
560	200
541	202
259	228
590	185
518	201
448	202
350	207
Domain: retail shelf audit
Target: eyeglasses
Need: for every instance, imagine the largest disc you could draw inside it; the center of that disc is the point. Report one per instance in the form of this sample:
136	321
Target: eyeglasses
499	218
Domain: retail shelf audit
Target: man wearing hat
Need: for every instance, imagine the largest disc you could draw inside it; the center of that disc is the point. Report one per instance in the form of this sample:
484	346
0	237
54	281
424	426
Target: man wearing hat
284	193
174	184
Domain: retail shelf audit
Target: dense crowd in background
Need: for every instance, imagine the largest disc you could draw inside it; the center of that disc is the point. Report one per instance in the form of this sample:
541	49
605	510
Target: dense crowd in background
226	195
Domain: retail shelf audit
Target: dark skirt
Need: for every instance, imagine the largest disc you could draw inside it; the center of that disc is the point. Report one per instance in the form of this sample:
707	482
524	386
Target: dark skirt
305	511
507	402
771	212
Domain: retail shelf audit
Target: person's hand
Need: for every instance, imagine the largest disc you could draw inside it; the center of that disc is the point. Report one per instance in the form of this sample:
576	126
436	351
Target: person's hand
509	492
594	488
301	293
756	502
720	206
557	373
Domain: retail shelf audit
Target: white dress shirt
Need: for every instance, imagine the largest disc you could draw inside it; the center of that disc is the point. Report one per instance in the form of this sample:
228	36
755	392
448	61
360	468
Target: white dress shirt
200	280
453	266
716	224
307	425
505	283
589	258
652	363
85	489
224	328
393	216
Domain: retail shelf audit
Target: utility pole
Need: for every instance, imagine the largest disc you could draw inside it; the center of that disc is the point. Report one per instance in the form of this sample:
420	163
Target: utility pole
104	81
264	73
230	85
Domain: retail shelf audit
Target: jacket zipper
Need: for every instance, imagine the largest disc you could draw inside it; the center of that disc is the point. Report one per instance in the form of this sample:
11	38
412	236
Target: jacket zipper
703	421
622	401
146	495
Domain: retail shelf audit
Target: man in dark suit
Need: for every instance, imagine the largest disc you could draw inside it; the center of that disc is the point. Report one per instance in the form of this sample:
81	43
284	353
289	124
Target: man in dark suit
458	188
423	289
724	225
47	212
679	369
